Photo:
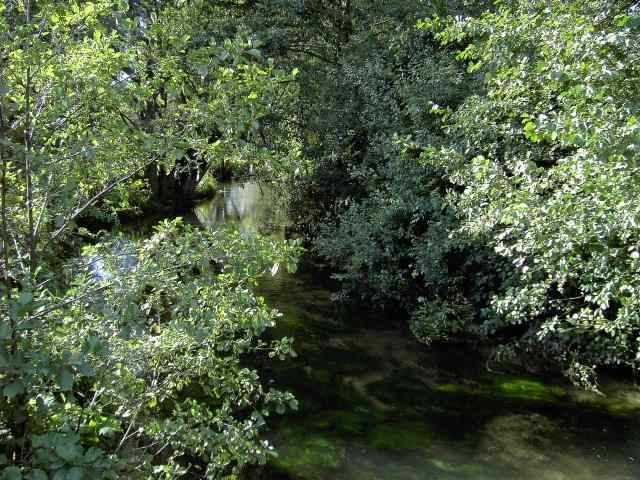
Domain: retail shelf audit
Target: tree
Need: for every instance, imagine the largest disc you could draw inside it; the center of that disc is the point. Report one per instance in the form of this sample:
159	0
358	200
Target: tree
378	215
134	368
546	162
202	97
497	202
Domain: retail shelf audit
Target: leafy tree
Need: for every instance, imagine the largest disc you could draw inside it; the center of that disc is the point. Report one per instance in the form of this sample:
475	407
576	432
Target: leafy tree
517	222
546	160
137	367
380	216
153	353
203	98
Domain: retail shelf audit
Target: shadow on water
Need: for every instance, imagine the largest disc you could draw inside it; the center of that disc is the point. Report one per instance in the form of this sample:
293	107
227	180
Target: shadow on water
376	404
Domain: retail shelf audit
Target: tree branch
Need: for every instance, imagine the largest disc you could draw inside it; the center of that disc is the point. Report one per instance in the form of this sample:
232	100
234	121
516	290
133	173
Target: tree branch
316	55
78	211
66	302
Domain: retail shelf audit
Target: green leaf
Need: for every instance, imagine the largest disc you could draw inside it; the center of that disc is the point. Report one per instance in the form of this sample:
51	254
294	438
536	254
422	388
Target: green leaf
5	330
68	451
93	454
65	379
38	474
11	473
75	473
530	132
107	431
25	298
13	389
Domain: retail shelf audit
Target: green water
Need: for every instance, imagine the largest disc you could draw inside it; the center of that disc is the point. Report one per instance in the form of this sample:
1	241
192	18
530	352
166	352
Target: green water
376	404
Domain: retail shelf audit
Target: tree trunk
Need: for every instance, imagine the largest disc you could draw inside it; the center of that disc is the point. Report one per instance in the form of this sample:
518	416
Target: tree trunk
175	189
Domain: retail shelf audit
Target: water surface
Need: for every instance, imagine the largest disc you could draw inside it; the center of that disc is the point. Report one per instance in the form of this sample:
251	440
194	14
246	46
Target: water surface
377	405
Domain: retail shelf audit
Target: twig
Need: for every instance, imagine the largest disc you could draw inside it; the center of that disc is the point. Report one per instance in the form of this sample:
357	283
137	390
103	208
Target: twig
126	435
44	207
316	55
70	300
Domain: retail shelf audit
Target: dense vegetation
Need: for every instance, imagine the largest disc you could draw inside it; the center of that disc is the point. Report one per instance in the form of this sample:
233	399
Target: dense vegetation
128	358
484	176
474	164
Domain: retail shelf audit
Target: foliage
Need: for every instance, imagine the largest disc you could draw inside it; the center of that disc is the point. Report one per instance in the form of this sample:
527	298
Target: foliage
498	201
475	164
387	230
134	360
153	352
547	157
204	96
138	368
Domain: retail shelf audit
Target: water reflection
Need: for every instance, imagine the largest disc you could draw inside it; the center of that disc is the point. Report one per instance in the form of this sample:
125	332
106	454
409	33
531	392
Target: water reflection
122	258
377	405
250	206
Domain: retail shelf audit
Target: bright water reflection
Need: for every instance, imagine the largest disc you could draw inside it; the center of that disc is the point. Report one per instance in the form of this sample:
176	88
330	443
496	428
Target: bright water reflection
250	206
377	405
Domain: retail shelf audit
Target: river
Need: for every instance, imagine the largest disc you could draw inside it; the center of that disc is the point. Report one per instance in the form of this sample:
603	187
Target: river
375	404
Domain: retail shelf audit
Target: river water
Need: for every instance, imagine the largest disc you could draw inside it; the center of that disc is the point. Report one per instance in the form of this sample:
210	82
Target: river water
377	405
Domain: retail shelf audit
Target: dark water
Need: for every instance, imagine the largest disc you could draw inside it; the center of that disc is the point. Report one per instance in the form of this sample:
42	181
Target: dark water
376	404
